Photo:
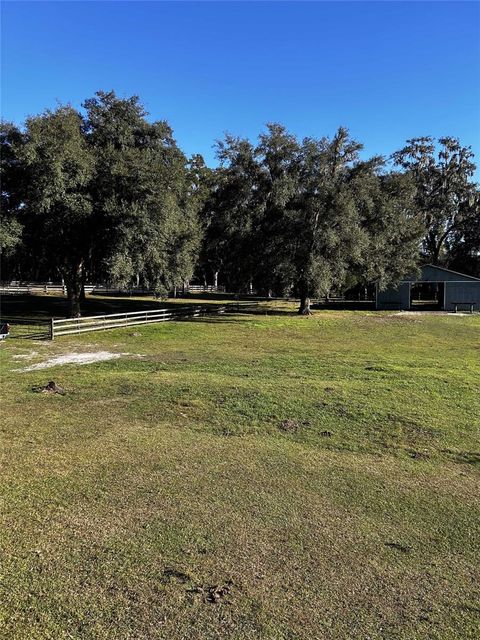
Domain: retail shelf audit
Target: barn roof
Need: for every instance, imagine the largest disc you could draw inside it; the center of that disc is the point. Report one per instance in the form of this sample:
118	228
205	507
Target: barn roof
433	273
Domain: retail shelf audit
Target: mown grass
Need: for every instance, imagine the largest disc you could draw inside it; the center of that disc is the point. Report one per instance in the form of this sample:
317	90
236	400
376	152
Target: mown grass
323	470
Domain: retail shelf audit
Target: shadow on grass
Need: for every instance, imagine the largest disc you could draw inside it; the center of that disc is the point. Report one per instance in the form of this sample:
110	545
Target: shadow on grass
223	318
25	334
31	308
345	305
463	457
29	315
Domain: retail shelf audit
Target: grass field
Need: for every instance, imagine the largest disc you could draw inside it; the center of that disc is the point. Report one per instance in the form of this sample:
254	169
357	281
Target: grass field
260	476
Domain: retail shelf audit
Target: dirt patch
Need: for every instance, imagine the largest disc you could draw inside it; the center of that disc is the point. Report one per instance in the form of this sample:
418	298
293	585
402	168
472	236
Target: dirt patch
51	387
404	548
74	358
215	594
290	426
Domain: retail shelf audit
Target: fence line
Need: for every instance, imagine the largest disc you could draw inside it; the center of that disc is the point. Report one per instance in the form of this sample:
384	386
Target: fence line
204	288
32	287
51	287
70	326
104	290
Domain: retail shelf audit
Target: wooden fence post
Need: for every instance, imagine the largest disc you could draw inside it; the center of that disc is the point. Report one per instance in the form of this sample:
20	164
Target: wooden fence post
52	329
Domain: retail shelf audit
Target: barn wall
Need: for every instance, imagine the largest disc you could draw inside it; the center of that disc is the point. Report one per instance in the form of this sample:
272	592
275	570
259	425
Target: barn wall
394	298
462	292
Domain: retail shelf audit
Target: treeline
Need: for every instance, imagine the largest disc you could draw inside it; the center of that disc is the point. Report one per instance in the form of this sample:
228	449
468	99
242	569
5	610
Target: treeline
104	195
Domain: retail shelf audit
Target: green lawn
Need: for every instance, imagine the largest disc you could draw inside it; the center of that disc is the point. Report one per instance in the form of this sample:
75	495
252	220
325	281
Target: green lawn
261	476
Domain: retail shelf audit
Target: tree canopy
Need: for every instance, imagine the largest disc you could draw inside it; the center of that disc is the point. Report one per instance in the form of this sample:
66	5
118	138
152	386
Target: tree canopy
301	216
106	195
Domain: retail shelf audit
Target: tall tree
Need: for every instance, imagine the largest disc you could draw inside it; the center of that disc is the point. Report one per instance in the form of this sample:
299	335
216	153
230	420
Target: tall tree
445	193
305	216
393	229
464	245
330	231
108	195
13	179
145	193
311	226
57	204
229	214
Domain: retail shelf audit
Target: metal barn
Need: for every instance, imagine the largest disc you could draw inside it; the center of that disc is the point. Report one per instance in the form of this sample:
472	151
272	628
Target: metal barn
436	288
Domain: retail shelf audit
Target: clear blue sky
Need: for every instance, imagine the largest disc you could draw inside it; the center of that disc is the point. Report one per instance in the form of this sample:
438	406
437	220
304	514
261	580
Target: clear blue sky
387	70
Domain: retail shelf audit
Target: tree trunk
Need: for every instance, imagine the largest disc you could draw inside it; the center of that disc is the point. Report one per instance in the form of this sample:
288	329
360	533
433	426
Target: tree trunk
304	306
73	281
303	292
74	302
82	288
215	279
436	253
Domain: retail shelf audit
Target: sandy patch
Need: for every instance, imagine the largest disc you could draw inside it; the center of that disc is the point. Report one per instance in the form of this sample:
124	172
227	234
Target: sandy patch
25	356
74	358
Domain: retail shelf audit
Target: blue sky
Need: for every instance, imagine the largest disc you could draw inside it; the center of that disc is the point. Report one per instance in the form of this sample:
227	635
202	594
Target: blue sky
386	70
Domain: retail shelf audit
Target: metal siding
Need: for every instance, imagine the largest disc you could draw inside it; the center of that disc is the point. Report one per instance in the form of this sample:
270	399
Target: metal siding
431	273
405	295
462	292
434	274
394	297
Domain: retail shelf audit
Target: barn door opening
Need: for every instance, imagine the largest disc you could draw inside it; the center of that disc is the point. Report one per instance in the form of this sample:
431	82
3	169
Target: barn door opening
427	296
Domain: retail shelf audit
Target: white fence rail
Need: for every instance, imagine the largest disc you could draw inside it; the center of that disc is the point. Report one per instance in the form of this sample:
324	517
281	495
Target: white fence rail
37	287
70	326
193	288
18	288
104	290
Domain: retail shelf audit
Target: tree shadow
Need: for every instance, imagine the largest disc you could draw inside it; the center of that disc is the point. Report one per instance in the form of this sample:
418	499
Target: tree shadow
344	305
31	308
217	318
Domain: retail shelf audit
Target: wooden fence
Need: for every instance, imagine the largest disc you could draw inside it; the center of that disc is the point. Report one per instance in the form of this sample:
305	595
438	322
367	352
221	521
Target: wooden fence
28	328
37	287
70	326
19	288
105	290
194	288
